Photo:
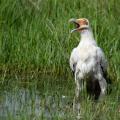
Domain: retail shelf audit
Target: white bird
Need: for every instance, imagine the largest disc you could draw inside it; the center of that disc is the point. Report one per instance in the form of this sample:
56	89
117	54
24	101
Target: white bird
87	60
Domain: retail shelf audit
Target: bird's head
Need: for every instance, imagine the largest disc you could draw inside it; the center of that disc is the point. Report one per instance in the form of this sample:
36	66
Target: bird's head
80	24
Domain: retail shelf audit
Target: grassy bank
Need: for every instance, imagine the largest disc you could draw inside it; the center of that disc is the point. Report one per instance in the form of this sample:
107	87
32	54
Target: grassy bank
36	36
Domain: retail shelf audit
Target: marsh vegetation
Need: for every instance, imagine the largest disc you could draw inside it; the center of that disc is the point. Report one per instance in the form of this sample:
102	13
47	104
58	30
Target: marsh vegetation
35	45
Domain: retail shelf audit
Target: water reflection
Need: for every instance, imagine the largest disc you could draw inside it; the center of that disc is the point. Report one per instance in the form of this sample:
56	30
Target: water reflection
34	103
16	102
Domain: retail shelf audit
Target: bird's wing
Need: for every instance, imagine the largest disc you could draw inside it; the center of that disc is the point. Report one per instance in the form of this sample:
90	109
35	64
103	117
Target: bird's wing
72	60
102	60
104	64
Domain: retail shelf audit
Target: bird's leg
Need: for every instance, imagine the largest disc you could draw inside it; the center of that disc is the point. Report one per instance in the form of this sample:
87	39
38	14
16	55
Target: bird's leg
76	101
78	98
103	85
78	88
78	82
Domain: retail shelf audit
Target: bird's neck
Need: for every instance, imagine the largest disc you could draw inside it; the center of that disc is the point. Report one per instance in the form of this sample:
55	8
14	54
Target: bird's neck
87	37
87	34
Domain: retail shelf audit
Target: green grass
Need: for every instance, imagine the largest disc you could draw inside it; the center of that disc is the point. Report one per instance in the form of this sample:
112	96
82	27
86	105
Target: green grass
36	39
40	39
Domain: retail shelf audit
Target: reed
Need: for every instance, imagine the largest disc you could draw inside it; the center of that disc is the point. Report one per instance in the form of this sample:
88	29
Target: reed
36	35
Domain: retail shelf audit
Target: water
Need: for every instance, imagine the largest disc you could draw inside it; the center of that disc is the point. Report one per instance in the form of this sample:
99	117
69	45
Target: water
36	98
45	97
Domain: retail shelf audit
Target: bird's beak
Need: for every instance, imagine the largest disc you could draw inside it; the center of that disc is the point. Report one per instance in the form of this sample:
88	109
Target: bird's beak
77	25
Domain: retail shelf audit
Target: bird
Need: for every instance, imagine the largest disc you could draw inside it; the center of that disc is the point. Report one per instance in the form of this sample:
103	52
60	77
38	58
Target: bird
88	61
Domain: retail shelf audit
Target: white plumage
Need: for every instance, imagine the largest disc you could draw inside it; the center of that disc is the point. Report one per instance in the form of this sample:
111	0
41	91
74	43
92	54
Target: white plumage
87	60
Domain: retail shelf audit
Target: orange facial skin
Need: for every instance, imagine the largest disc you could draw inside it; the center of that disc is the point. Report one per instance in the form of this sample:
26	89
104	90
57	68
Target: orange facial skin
82	21
81	24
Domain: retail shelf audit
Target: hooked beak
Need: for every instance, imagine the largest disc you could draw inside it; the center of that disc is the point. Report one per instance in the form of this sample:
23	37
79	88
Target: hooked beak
80	24
77	25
